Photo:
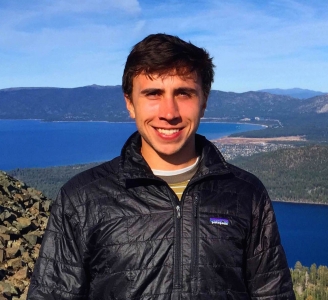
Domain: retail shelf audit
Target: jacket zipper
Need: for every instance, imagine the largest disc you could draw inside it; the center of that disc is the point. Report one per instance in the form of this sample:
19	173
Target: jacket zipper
177	258
177	205
178	208
195	248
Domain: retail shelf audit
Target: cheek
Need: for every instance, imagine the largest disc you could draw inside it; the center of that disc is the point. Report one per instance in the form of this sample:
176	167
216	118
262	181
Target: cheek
146	110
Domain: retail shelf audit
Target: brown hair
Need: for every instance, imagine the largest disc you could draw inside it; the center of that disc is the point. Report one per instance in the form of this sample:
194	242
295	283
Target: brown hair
162	53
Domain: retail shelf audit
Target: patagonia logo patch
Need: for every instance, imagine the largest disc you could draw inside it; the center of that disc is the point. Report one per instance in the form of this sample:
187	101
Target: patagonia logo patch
219	221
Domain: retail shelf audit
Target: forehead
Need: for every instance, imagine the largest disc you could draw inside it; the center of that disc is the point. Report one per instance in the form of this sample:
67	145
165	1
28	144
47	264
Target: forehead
168	78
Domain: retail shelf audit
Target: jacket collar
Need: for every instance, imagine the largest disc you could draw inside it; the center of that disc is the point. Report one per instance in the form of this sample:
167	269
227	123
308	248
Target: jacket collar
134	167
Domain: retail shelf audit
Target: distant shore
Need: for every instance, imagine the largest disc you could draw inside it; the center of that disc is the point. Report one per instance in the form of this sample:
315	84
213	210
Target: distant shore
243	140
300	202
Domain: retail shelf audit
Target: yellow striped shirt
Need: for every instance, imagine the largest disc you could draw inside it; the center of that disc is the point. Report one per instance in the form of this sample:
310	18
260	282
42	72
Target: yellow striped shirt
179	187
179	181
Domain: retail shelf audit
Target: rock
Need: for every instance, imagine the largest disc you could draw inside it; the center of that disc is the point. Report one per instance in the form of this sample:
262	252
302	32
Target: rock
3	229
4	237
15	263
21	274
2	255
5	215
22	223
24	214
8	229
26	257
18	284
46	205
8	288
12	252
16	243
35	224
36	205
31	238
18	197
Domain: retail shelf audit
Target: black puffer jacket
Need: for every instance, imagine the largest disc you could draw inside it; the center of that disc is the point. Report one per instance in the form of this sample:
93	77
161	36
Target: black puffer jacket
118	232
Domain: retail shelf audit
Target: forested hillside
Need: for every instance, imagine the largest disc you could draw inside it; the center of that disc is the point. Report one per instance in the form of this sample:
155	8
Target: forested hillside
49	180
297	174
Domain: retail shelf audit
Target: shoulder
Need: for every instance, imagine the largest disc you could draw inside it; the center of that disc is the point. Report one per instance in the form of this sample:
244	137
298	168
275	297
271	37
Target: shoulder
246	177
250	186
93	177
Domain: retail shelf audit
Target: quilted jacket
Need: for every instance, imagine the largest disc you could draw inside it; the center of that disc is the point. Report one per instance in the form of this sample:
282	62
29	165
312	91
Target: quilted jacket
118	232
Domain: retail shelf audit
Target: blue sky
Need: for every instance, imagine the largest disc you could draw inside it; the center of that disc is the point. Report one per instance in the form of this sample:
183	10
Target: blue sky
256	44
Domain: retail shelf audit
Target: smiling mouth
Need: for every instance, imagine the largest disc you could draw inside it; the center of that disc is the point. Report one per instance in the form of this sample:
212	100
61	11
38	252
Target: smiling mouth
167	131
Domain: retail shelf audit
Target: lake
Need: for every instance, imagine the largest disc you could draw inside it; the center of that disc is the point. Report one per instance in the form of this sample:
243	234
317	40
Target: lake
32	143
304	232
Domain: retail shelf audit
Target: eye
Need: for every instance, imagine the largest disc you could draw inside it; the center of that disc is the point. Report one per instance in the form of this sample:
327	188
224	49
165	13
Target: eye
153	95
183	94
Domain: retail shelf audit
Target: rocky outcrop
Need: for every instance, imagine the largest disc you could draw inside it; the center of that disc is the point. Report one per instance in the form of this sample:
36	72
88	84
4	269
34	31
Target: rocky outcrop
24	213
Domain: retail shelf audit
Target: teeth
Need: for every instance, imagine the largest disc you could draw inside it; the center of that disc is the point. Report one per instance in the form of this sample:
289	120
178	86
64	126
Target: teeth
167	131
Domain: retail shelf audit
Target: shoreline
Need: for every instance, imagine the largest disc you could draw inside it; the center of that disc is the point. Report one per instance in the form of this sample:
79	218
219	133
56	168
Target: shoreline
102	121
67	121
296	202
240	123
248	140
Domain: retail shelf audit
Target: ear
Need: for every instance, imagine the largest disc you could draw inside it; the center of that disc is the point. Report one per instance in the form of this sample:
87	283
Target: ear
129	106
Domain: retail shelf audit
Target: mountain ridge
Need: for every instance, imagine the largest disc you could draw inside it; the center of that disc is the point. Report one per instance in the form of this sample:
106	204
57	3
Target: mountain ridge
294	92
284	115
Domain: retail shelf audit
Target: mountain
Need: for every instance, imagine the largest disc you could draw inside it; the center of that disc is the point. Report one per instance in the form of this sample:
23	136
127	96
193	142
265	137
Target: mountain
249	105
101	103
316	105
284	115
24	214
295	92
106	103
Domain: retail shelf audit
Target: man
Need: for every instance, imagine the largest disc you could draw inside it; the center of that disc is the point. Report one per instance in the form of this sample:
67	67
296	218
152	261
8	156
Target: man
169	218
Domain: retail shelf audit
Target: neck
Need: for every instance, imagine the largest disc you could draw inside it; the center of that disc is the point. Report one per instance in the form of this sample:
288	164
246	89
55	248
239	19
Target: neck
169	164
172	162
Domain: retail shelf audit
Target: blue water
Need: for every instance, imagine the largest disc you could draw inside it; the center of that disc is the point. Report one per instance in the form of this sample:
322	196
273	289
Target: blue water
32	143
304	232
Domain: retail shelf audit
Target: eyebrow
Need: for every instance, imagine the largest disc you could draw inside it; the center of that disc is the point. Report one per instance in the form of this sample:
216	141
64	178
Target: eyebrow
176	91
149	91
186	90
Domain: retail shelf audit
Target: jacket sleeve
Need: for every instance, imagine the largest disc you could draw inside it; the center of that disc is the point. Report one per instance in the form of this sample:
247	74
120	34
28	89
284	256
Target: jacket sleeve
59	271
267	269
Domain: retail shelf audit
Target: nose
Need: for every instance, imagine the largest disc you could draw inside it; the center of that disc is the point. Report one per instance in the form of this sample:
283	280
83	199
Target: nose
168	109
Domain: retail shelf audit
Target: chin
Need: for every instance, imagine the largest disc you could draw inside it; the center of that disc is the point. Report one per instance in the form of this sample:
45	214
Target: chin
170	152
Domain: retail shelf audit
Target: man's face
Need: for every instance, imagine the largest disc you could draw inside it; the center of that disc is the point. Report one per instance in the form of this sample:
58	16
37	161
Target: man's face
167	110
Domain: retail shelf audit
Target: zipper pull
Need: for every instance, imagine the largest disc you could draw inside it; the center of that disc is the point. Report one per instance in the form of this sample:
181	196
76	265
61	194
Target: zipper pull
195	207
178	211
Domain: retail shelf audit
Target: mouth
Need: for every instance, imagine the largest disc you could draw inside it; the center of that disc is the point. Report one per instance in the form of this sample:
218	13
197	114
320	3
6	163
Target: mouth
167	132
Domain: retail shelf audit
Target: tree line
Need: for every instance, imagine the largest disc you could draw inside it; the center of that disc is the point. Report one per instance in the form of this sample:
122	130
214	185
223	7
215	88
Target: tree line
310	283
